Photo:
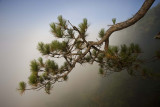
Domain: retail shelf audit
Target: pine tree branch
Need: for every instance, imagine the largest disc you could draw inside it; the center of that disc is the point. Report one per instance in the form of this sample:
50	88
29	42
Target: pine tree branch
79	57
119	26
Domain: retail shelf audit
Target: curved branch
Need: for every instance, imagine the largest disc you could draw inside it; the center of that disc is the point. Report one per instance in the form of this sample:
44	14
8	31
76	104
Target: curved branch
143	10
90	44
119	26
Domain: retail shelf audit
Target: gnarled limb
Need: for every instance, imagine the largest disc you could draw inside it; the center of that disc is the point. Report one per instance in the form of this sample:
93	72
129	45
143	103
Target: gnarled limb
119	26
52	73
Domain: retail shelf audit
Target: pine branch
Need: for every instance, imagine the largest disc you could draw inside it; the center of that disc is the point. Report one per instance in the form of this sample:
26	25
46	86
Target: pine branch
44	75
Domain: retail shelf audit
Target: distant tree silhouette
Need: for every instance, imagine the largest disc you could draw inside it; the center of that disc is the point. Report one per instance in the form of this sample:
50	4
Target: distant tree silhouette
74	48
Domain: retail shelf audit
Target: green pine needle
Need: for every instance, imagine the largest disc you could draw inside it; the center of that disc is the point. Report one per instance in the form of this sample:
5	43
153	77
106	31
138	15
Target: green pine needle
41	61
22	87
101	33
83	26
40	47
94	52
55	45
58	46
34	66
62	22
33	79
56	30
43	48
46	49
114	20
51	65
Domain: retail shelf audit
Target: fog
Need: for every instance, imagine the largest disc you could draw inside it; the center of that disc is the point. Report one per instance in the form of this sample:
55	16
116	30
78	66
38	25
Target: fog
84	86
15	60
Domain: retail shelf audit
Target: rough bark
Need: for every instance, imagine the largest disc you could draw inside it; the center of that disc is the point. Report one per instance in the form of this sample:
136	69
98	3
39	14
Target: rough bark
119	26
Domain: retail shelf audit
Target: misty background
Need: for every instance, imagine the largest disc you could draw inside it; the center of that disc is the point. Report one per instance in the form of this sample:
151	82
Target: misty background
25	23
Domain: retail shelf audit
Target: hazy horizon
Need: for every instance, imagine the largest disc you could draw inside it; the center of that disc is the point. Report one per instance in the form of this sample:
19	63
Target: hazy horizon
25	23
